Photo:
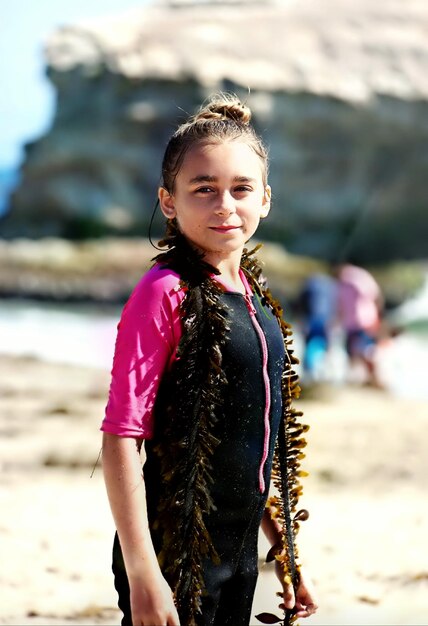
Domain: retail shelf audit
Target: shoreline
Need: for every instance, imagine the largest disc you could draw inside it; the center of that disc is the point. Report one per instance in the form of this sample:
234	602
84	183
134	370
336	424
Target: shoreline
85	335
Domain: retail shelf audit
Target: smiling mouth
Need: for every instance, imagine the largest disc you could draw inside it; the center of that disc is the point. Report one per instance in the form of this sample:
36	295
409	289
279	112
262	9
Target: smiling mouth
223	229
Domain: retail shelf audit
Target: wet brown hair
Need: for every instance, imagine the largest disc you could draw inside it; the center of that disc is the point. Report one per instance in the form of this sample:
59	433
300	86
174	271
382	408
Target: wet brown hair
222	118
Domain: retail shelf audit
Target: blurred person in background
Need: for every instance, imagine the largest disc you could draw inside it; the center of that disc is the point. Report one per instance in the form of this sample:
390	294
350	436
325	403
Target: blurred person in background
360	310
318	306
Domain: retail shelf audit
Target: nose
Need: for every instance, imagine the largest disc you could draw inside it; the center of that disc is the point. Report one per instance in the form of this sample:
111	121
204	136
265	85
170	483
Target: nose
226	204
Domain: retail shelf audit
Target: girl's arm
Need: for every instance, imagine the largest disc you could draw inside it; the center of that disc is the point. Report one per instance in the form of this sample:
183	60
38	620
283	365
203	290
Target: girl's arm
151	598
303	601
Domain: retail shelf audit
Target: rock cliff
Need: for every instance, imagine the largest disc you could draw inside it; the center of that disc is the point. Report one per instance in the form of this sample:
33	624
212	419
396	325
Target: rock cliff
339	91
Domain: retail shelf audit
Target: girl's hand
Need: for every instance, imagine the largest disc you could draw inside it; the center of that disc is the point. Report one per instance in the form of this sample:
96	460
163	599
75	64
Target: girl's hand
303	602
152	602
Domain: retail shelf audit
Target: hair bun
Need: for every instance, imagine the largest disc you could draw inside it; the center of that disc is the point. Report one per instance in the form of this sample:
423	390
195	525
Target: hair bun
224	106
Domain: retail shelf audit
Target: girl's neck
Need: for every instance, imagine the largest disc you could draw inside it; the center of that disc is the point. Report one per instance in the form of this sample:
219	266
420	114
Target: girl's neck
229	271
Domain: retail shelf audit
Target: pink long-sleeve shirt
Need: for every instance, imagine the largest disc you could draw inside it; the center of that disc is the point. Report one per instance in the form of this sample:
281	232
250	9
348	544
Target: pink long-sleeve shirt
148	335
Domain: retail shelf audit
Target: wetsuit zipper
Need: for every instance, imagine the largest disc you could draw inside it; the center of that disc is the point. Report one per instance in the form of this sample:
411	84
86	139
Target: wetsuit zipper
261	335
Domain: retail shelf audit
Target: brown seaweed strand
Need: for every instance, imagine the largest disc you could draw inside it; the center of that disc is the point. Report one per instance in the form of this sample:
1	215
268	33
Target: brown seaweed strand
188	442
286	472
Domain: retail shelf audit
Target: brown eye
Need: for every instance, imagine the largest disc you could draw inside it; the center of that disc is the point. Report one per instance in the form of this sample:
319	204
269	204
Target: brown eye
203	190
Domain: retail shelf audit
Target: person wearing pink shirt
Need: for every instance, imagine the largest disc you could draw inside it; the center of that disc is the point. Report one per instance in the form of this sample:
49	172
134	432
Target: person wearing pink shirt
201	395
360	305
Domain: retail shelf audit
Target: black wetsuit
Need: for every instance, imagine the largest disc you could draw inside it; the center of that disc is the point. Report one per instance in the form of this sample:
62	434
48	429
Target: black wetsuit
235	523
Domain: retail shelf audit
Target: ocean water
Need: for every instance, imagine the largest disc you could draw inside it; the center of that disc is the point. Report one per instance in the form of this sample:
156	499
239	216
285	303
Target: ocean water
73	334
85	335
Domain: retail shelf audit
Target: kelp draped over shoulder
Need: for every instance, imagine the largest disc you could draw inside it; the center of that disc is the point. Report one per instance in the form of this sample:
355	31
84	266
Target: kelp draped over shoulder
188	442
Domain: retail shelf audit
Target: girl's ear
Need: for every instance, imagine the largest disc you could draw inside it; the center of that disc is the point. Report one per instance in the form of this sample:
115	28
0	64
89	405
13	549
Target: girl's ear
266	202
166	202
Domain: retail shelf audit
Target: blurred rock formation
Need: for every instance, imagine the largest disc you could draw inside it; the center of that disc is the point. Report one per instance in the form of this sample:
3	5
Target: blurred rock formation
339	91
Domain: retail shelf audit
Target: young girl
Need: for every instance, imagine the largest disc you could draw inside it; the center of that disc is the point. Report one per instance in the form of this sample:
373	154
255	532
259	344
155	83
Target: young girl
201	391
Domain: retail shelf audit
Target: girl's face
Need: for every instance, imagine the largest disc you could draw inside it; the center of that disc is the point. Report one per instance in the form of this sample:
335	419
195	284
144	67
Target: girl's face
219	198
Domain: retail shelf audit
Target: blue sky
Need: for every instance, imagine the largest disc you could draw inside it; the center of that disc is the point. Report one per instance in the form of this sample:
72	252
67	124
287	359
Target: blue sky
26	98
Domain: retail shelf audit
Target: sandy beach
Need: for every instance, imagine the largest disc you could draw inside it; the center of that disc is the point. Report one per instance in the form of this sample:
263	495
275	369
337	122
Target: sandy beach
364	544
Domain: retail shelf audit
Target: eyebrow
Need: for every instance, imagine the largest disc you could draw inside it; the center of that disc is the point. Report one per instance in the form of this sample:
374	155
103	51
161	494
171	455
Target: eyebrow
205	178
